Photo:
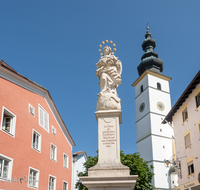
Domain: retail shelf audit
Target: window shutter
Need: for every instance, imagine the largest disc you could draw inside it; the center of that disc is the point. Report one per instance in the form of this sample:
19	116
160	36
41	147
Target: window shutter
41	117
34	178
1	163
198	100
34	137
51	152
45	121
37	141
30	179
67	161
5	169
187	141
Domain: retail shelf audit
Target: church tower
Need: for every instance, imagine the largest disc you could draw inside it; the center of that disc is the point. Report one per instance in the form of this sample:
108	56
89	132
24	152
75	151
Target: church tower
152	100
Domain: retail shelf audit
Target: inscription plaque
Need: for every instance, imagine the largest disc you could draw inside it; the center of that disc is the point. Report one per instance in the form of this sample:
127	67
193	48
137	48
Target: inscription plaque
109	136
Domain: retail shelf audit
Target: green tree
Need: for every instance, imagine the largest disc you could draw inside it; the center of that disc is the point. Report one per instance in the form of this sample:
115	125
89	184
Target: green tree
138	166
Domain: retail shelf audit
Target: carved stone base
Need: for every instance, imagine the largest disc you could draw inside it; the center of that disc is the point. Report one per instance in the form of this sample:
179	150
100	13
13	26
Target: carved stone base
108	101
110	183
109	171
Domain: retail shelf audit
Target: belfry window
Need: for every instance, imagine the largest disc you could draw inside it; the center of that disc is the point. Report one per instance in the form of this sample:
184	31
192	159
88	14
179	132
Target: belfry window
158	86
141	88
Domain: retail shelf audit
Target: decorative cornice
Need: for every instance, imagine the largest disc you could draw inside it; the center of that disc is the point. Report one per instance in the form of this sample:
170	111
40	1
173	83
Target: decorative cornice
153	74
154	135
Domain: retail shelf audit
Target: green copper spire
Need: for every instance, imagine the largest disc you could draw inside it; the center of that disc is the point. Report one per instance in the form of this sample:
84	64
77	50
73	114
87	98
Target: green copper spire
150	58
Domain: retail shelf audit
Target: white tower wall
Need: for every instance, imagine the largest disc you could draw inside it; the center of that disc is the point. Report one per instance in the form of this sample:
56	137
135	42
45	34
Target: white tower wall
143	128
154	140
144	147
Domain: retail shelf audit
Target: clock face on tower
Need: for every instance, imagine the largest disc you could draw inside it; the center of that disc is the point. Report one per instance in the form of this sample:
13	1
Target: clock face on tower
160	106
142	106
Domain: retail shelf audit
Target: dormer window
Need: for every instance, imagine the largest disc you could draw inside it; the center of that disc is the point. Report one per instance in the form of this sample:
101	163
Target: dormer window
141	88
158	86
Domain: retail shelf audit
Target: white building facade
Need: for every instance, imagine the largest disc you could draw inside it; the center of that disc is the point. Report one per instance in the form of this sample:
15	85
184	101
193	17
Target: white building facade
79	158
185	116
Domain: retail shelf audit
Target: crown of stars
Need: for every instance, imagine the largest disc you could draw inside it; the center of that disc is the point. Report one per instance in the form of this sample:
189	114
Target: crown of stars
107	41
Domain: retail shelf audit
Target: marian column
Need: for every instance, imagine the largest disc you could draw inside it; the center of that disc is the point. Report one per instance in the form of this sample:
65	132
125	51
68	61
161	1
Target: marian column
109	173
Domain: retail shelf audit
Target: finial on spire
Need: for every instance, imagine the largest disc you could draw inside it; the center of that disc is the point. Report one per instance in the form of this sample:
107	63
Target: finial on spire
147	24
149	60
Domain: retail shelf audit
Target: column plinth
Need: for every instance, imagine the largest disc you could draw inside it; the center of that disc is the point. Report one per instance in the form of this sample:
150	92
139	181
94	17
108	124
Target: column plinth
109	173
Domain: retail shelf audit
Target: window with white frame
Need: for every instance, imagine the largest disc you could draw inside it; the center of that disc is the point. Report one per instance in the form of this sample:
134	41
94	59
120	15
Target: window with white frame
8	121
190	168
185	114
36	141
5	167
53	152
197	100
52	183
43	118
33	178
187	140
65	160
31	110
53	130
65	185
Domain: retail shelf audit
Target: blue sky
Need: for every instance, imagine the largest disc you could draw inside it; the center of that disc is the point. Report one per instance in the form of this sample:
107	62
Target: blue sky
55	43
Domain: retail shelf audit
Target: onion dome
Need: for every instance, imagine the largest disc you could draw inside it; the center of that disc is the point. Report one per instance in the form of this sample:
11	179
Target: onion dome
150	58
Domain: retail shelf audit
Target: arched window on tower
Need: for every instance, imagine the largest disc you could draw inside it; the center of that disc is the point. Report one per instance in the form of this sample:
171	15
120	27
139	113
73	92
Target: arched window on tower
141	88
158	86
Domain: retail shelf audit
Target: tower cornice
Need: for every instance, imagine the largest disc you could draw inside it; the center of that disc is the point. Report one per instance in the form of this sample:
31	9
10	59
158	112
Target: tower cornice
151	73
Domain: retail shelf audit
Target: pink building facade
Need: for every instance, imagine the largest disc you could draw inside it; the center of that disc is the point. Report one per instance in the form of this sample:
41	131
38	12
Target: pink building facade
35	145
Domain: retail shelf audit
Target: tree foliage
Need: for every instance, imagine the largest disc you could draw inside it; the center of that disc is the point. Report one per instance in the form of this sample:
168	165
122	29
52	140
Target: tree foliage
138	166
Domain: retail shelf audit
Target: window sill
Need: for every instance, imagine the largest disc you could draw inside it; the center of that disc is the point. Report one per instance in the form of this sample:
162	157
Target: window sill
53	160
188	147
8	133
33	187
185	120
36	150
66	167
191	175
4	179
197	108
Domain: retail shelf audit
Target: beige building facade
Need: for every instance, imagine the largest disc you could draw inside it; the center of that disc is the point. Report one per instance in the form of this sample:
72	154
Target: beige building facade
185	116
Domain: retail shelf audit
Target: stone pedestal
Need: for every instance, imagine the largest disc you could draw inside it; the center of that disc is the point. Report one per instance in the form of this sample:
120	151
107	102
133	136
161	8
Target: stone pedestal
109	173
